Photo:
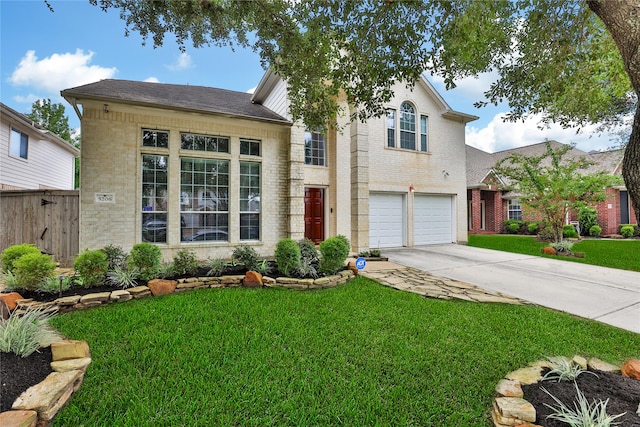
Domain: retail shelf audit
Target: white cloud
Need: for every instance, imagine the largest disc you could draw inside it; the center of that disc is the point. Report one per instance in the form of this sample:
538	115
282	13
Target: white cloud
152	80
29	99
471	88
58	71
252	90
183	62
499	135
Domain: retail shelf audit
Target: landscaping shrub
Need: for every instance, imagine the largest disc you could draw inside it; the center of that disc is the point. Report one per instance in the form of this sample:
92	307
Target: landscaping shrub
563	247
533	228
27	333
185	262
146	257
123	277
587	218
334	252
247	256
12	253
636	229
308	251
568	231
375	252
514	228
54	285
31	269
10	280
91	266
626	231
116	257
595	231
216	266
287	256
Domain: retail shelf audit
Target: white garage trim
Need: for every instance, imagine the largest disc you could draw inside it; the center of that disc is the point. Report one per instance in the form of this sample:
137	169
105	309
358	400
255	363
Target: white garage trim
433	220
387	220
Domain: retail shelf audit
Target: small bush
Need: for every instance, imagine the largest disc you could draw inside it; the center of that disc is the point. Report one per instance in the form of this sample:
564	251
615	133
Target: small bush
216	266
587	218
91	266
533	228
185	262
563	247
262	267
595	231
345	241
12	253
636	229
307	269
308	251
27	333
513	228
287	256
123	277
247	256
334	252
10	280
146	257
568	231
116	257
54	285
32	269
626	231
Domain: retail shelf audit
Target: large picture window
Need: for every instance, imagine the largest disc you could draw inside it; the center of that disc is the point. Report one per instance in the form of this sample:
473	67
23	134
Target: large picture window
154	198
18	144
249	201
204	199
314	149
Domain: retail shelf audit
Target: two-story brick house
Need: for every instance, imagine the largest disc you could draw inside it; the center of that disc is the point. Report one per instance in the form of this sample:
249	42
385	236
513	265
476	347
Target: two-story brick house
209	169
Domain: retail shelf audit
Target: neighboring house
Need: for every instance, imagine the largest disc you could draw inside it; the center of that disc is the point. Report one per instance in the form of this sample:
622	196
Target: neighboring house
489	205
31	157
209	169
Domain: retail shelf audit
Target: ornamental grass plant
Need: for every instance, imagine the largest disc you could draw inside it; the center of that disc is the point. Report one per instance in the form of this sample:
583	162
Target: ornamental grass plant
26	333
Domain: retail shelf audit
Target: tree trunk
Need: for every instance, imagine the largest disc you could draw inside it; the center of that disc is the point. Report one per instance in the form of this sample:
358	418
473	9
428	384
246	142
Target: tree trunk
622	19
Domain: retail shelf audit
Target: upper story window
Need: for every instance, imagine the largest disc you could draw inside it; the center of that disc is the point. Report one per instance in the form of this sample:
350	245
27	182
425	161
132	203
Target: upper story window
215	144
404	127
19	144
155	138
250	147
314	149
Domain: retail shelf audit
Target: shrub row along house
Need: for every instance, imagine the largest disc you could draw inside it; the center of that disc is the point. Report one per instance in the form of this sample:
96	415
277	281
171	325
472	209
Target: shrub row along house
490	204
208	169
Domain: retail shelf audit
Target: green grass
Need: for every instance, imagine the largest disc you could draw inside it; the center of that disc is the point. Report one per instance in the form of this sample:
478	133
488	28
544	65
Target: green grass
622	254
360	354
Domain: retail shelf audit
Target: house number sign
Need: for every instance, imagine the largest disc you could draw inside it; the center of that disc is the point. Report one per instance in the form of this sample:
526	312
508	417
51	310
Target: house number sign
105	198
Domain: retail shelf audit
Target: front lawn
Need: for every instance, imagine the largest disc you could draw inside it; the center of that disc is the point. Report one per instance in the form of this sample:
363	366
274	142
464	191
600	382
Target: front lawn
360	354
622	254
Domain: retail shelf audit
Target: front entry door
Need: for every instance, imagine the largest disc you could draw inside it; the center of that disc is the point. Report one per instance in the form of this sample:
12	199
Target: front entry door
314	214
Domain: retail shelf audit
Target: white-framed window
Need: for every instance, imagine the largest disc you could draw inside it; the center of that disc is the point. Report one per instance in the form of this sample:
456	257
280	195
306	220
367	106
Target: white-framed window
204	199
405	128
514	210
18	144
250	147
154	198
250	201
212	144
155	138
314	148
391	128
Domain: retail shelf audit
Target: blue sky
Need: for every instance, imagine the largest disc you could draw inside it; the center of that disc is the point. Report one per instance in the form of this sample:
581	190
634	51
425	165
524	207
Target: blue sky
42	53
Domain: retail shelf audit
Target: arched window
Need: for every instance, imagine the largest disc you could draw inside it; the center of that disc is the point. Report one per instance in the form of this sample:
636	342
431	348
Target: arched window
407	126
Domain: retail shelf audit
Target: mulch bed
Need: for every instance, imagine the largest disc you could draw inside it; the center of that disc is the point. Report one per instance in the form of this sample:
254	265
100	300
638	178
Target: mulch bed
20	373
623	394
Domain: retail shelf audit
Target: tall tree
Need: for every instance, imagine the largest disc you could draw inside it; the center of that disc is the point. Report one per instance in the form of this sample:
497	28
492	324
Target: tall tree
554	183
572	61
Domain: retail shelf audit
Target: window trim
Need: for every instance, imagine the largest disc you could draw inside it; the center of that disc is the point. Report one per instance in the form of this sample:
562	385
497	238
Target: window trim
247	212
23	144
314	160
517	212
395	133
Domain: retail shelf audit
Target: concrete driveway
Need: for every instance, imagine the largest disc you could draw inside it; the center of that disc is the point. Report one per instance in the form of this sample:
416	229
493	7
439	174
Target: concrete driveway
605	294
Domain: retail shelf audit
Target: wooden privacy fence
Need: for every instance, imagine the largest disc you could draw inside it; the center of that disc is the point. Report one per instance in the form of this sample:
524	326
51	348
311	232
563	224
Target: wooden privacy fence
45	218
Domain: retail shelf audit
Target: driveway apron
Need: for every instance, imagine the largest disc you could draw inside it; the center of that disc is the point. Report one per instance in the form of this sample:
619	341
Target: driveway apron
608	295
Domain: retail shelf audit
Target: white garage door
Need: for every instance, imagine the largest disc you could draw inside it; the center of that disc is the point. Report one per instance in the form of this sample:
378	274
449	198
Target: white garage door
386	220
432	220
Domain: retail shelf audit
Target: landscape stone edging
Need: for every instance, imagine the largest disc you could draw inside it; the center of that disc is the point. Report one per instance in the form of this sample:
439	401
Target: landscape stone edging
509	408
37	406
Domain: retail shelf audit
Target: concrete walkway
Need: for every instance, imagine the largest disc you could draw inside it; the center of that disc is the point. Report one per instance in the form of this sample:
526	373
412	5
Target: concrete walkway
608	295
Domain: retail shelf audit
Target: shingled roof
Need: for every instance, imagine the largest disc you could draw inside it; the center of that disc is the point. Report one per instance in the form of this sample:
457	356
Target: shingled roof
180	97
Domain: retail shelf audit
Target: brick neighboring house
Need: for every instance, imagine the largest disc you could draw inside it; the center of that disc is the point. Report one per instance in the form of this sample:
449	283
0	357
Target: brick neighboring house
208	169
488	205
31	157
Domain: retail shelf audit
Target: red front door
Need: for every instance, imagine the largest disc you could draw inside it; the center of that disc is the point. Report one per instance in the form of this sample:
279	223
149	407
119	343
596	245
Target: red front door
314	214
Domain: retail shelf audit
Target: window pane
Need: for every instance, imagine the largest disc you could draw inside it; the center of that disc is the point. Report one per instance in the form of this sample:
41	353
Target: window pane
155	138
515	210
424	144
391	128
204	199
18	144
314	148
154	198
215	144
407	126
249	201
249	147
